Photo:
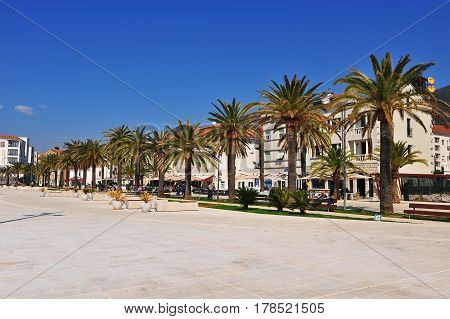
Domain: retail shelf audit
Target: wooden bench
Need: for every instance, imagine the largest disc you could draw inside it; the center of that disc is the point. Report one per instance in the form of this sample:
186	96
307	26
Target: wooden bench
329	208
428	210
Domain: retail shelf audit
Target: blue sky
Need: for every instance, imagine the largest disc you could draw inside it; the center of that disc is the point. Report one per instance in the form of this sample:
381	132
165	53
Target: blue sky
186	54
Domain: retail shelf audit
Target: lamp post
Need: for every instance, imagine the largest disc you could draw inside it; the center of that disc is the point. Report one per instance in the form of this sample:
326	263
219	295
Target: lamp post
344	170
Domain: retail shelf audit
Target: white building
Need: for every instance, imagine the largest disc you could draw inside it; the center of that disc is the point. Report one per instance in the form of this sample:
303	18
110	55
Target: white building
440	146
15	149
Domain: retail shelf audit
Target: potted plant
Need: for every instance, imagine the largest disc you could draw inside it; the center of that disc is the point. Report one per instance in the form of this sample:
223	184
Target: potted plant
85	195
75	192
118	199
147	206
91	194
42	190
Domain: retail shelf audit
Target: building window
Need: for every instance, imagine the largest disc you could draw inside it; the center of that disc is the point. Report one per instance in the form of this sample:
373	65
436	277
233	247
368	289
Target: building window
13	152
267	135
250	184
408	128
436	139
409	149
13	143
12	160
2	144
282	133
267	155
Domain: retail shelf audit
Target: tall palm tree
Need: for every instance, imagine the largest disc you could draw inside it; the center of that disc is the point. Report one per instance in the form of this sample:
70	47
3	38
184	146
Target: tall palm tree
160	147
390	91
291	104
92	155
17	168
331	165
135	148
116	139
401	155
72	149
235	128
189	147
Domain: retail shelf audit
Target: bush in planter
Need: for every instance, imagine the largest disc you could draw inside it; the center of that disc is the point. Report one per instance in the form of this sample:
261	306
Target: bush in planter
279	198
246	196
301	200
118	199
146	197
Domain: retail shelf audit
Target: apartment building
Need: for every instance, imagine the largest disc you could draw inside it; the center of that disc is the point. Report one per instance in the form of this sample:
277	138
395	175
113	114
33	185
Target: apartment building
15	149
440	147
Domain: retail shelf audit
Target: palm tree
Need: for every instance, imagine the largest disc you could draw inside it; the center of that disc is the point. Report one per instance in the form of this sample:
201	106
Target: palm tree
401	155
160	147
135	148
331	165
291	104
65	163
17	168
29	169
92	155
72	149
390	91
49	163
235	128
116	139
188	147
6	171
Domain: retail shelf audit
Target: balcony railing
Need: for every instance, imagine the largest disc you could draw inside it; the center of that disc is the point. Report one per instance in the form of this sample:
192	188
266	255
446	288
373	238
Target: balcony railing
364	157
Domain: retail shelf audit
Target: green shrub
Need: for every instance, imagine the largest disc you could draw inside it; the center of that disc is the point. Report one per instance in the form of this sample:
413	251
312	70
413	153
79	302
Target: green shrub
301	200
278	198
246	196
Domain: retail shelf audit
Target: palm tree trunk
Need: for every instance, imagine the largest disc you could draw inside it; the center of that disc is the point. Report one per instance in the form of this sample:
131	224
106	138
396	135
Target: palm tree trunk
292	158
386	137
187	179
232	169
337	182
94	175
119	174
137	175
161	174
261	165
303	163
84	176
396	196
75	168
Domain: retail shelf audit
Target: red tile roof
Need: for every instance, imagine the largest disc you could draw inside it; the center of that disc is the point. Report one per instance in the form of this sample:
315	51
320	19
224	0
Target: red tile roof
9	137
441	129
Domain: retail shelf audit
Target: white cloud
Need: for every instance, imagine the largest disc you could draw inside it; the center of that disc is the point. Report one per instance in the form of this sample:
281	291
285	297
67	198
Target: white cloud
27	110
42	106
1	106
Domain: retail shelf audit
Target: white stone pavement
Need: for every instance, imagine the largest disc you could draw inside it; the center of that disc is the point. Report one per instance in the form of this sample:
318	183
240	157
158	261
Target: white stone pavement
90	251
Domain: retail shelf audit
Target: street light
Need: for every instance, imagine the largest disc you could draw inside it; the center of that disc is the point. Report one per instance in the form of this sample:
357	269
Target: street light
344	171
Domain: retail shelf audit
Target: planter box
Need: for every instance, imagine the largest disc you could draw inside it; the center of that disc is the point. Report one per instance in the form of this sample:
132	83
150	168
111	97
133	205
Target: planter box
166	206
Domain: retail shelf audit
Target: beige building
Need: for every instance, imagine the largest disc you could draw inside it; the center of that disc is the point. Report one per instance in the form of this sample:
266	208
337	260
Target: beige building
440	149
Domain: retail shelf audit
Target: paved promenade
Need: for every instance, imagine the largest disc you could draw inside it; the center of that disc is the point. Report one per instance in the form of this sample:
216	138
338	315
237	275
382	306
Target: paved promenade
67	248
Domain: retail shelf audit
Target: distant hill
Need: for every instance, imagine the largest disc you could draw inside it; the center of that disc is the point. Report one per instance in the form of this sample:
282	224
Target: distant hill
444	95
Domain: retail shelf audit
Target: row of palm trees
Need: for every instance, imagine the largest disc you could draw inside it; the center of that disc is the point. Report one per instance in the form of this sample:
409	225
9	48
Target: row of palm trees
293	104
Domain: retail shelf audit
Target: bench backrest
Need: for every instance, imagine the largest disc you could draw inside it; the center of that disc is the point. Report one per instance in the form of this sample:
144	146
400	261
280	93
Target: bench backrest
430	206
